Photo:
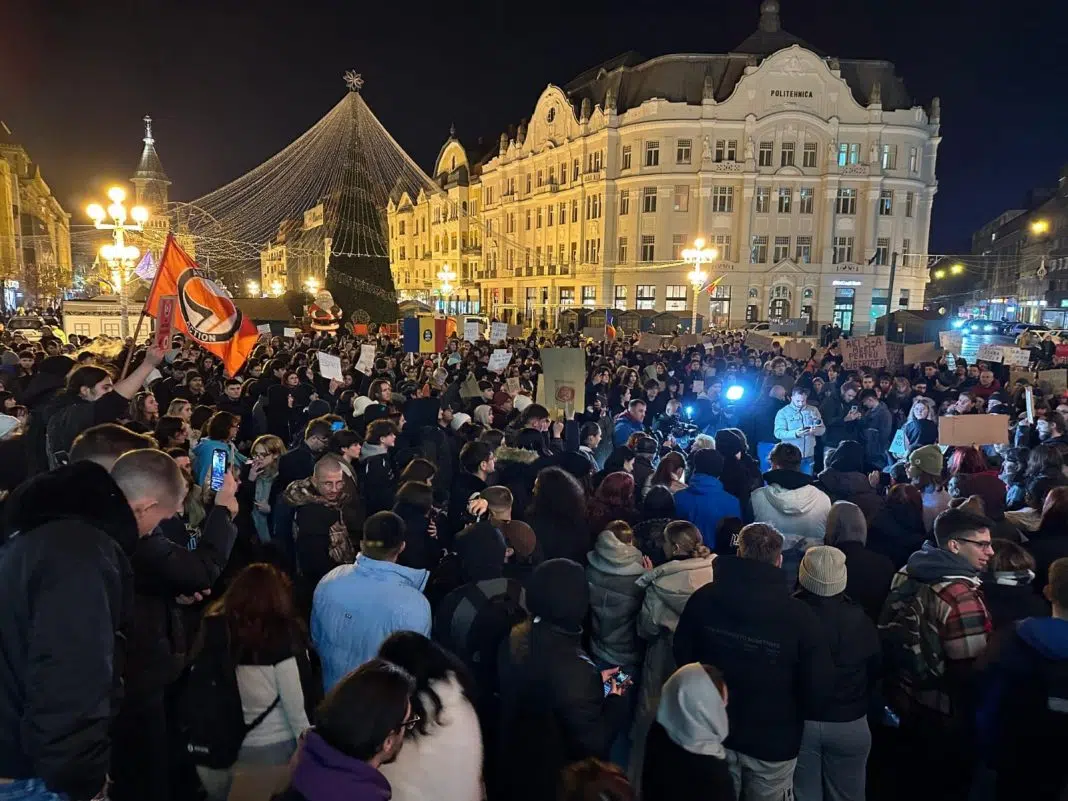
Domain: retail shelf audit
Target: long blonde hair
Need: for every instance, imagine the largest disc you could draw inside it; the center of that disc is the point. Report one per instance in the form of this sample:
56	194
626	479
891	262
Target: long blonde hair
927	403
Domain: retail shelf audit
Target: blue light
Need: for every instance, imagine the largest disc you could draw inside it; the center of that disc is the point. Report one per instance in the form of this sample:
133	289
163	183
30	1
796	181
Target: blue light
689	411
988	327
734	393
958	323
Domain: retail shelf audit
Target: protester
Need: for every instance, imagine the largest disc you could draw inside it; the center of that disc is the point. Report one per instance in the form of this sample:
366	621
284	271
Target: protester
800	424
870	573
705	502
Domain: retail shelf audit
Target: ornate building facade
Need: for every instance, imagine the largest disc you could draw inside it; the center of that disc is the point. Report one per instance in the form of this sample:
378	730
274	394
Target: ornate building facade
151	190
807	173
35	253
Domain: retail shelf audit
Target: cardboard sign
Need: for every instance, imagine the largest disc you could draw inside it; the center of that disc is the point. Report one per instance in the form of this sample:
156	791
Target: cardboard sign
264	328
366	363
594	332
698	386
924	352
498	360
165	322
863	352
687	341
797	349
1018	357
758	341
795	325
498	332
951	340
512	386
515	331
291	333
989	353
973	429
1057	380
330	366
472	330
1015	373
469	388
648	343
565	379
951	361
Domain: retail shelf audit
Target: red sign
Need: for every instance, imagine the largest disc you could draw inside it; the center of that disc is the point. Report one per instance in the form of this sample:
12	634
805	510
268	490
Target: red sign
165	321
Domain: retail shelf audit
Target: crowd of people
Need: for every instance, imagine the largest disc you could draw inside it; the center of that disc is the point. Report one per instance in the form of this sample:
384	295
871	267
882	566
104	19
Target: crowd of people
726	574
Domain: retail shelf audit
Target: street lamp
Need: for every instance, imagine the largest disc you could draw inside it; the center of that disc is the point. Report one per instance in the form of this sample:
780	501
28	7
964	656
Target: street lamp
698	255
276	288
119	256
446	275
1039	227
253	289
311	284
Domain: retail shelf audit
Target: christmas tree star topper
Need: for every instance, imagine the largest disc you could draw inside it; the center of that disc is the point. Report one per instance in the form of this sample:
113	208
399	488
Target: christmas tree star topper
354	81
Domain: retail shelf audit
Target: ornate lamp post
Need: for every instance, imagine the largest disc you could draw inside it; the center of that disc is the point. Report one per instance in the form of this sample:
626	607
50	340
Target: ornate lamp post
698	278
446	276
119	256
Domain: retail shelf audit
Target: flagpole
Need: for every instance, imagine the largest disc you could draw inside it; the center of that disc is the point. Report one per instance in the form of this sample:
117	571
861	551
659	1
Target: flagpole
144	310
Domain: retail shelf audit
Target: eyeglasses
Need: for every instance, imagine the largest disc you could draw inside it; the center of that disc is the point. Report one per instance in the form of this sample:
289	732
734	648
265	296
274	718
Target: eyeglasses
410	724
983	545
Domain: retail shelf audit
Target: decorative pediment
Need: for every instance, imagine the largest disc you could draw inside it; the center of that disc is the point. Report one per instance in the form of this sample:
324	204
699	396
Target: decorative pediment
786	267
789	170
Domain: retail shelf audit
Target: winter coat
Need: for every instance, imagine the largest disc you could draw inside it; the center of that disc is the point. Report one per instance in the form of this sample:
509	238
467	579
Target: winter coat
615	598
623	427
649	537
71	416
378	478
66	588
788	421
895	536
852	487
773	654
322	530
869	576
561	537
740	477
464	485
517	469
1046	547
421	551
1011	596
794	505
445	764
642	472
671	773
704	503
834	409
877	426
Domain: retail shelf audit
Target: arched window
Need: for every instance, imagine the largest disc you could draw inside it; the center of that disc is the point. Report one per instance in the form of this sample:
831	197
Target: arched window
779	308
463	206
453	163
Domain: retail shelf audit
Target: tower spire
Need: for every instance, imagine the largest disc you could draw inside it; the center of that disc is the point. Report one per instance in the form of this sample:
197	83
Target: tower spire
148	140
769	16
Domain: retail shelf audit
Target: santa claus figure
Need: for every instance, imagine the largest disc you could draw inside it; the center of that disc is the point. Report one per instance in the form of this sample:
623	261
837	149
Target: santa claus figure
324	313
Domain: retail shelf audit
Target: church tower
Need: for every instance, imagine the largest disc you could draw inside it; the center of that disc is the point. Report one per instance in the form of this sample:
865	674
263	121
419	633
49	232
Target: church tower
151	182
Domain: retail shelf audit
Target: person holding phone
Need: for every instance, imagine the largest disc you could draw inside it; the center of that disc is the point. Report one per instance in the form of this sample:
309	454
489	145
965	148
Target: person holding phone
799	423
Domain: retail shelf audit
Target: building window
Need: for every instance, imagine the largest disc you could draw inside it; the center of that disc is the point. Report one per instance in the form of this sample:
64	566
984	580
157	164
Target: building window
886	202
782	249
575	170
721	149
649	199
563	172
726	150
678	242
848	153
402	252
400	227
914	160
903	299
567	296
537	256
675	297
722	243
625	164
538	220
549	215
910	198
563	213
763	199
804	250
595	161
624	202
682	198
552	175
646	297
574	252
540	178
786	155
652	154
528	183
809	156
882	251
560	251
592	250
437	244
528	219
766	151
786	199
758	254
682	151
846	202
621	252
620	296
805	196
889	159
906	257
454	241
843	249
589	296
648	247
574	211
723	198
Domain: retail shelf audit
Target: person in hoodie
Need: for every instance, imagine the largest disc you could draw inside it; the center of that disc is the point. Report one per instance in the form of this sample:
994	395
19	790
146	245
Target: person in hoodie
741	472
1008	587
792	504
876	427
66	587
685	759
359	727
613	567
376	465
870	573
1021	719
844	479
705	501
357	606
799	423
555	708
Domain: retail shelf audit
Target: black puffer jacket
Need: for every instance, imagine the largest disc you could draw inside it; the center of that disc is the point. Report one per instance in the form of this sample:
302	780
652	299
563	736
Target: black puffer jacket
66	588
845	480
71	416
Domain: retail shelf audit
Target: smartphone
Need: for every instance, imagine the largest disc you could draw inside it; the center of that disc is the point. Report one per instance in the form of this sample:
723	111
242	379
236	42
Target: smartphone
620	678
219	458
337	425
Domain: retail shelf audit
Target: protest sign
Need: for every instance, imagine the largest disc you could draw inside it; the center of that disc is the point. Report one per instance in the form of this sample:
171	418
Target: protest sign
330	366
1029	402
498	332
951	340
498	360
698	386
951	361
264	328
863	352
472	329
758	341
565	379
469	388
1018	357
1016	373
291	333
897	447
594	332
366	363
1055	380
973	429
989	353
797	349
687	341
924	352
895	354
515	331
512	385
165	321
649	343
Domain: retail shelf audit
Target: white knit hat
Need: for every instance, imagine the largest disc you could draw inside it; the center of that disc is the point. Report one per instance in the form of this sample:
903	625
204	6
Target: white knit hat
360	404
823	571
459	419
521	402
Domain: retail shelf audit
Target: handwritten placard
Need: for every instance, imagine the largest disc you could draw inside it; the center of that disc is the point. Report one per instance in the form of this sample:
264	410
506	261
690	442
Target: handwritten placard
264	328
951	340
291	333
758	342
863	352
512	385
498	332
1017	357
924	352
472	330
330	366
498	360
989	353
1056	380
366	363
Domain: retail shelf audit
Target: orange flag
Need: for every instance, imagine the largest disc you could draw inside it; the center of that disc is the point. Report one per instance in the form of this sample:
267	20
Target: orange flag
206	312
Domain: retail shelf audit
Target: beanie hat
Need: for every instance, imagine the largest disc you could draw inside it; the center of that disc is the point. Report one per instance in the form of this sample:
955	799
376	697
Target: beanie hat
823	571
459	419
360	404
728	443
521	402
928	459
500	398
558	593
520	537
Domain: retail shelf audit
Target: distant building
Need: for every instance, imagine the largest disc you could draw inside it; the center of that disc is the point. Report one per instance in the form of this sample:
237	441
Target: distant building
806	172
35	255
151	190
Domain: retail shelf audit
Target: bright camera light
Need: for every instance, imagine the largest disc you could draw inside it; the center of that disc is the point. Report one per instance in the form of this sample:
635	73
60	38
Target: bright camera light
734	393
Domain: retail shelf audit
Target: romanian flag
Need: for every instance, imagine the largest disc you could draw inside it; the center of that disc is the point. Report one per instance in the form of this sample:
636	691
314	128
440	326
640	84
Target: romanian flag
424	334
206	312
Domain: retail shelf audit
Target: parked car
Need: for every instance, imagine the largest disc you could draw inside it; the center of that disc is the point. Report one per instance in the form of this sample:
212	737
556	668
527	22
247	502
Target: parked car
31	326
1015	329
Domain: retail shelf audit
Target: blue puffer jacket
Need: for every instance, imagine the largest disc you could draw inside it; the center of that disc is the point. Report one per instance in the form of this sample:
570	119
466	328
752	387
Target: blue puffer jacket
625	426
704	503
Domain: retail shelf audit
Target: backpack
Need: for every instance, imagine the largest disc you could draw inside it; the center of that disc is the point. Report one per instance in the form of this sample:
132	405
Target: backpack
213	725
481	618
908	628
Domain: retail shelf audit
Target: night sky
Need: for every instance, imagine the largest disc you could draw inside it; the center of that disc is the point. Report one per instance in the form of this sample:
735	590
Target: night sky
229	84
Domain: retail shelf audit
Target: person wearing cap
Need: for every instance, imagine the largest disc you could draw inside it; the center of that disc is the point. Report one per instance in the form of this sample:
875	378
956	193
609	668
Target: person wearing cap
927	474
836	739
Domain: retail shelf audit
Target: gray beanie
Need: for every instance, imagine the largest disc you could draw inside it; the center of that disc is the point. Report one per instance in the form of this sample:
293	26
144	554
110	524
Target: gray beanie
823	571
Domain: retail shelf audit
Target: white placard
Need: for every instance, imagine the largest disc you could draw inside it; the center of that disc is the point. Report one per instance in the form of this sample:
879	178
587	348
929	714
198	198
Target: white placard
1029	397
698	387
330	366
498	360
989	353
1017	357
951	340
498	332
292	333
472	328
366	363
265	328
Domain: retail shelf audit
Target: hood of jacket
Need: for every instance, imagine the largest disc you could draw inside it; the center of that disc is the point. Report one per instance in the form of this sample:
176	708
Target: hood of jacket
613	557
692	712
788	479
845	485
704	484
848	457
931	564
506	453
1047	635
325	774
304	493
800	501
675	581
82	491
